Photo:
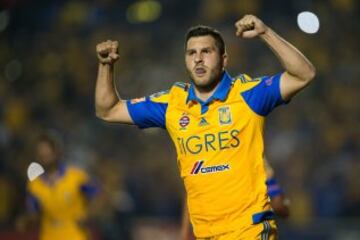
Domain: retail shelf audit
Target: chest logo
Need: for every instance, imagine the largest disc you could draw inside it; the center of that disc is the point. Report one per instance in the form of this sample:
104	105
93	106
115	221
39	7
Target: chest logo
184	121
203	122
199	169
225	117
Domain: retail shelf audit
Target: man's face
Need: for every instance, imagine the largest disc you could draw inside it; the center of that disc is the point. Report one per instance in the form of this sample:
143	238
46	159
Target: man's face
46	154
203	61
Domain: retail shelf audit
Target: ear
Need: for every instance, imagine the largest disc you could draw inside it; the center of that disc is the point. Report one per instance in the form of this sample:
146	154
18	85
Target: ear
224	60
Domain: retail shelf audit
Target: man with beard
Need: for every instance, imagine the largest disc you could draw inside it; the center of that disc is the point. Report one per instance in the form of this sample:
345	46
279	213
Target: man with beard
216	123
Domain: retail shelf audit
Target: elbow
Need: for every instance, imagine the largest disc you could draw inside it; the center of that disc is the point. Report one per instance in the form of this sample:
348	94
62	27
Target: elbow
105	116
100	114
114	113
310	74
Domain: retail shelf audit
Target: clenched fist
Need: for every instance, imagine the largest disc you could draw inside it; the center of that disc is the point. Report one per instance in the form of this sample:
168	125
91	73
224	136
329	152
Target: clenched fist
107	52
250	26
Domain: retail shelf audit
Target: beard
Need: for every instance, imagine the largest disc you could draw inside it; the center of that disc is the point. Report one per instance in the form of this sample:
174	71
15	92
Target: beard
210	83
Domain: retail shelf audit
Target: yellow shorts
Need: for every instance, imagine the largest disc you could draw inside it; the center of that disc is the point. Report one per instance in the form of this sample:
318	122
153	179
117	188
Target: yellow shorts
265	230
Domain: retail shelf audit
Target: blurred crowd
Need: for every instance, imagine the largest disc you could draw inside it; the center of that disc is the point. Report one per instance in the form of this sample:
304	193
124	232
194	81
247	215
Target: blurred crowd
47	78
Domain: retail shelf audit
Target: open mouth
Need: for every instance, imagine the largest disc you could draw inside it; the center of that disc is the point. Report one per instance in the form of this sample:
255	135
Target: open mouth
200	71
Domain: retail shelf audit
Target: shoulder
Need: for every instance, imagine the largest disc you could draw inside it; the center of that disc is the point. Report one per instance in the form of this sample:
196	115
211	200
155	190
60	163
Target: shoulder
180	87
33	185
76	172
160	97
165	95
179	90
36	187
244	82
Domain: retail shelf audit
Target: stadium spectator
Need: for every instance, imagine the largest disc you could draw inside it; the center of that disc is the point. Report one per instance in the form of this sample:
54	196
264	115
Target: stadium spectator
58	200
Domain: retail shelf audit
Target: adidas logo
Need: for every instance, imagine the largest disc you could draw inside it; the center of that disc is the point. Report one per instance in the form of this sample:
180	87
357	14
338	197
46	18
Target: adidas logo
203	122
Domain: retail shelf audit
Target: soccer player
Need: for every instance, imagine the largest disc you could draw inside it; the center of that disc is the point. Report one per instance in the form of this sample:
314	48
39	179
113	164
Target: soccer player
58	199
278	201
216	123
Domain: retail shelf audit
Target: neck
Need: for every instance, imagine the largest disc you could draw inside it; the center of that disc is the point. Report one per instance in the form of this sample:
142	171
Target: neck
204	93
53	169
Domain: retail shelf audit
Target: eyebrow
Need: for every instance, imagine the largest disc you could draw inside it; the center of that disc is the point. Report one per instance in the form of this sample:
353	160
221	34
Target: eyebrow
202	49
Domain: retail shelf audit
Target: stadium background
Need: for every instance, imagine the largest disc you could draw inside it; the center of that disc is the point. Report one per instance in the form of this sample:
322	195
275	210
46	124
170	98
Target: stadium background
47	75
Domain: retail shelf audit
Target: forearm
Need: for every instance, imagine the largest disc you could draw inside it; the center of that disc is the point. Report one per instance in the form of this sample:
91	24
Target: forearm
105	93
27	221
293	61
280	205
185	224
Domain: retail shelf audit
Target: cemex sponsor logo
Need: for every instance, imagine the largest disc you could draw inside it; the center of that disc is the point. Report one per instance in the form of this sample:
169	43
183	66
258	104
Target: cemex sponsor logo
198	168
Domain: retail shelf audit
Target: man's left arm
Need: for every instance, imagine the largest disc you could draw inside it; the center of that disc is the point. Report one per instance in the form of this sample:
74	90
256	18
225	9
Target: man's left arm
185	231
279	202
299	71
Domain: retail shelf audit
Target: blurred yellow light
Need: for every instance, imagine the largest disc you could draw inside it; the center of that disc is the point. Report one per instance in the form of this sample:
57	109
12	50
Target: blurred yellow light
74	13
143	11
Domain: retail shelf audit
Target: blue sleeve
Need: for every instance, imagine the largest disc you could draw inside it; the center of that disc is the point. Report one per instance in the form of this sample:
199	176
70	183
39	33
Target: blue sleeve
265	96
32	203
147	113
273	187
89	189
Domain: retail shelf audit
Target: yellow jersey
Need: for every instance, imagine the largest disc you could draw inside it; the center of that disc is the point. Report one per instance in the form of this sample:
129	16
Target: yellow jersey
219	146
61	204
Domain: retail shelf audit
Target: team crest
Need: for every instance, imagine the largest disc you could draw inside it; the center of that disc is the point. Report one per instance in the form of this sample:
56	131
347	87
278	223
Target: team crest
225	115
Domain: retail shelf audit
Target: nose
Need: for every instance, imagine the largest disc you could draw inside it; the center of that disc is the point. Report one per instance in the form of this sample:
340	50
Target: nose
198	58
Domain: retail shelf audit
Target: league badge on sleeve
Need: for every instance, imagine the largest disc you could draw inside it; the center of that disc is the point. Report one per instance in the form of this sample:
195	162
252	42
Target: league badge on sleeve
269	81
224	115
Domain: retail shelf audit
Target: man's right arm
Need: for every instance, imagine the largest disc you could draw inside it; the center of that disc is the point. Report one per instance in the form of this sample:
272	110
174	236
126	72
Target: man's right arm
108	105
31	217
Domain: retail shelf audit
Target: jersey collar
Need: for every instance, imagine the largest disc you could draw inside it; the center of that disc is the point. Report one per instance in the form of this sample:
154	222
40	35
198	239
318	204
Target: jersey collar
220	93
60	172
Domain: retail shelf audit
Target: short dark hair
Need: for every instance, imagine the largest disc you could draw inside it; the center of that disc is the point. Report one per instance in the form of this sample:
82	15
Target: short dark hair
52	138
201	30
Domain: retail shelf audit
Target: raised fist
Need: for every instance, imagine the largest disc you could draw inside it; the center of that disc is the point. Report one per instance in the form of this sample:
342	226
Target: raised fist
107	52
250	26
